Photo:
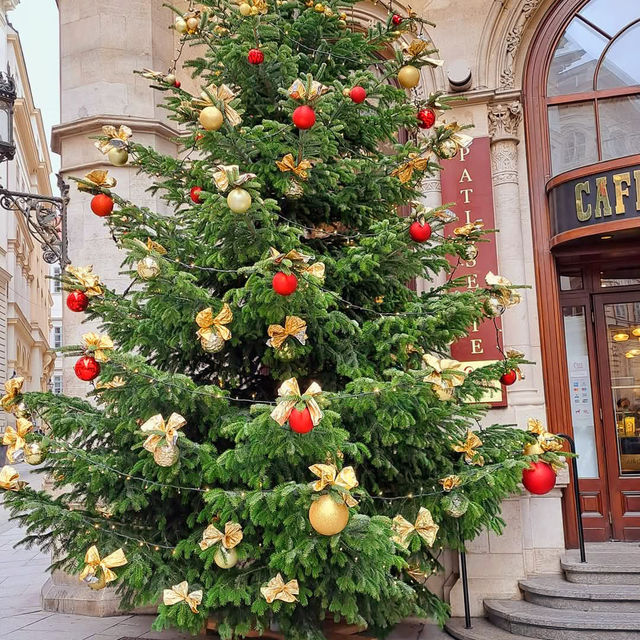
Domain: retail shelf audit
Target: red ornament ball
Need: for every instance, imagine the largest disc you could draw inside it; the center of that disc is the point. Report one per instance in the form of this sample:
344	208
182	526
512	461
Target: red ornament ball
255	56
508	378
358	94
194	194
102	205
300	421
284	284
77	301
426	118
304	117
420	232
87	368
539	478
396	19
176	84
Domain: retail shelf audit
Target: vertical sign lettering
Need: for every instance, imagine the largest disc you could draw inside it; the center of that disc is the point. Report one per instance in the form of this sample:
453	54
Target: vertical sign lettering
466	182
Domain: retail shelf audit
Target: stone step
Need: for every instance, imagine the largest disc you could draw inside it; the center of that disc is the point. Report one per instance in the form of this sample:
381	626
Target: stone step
533	621
603	568
557	593
481	629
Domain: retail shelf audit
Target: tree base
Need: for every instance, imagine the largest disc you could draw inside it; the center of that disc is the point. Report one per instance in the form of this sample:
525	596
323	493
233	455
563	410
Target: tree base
331	630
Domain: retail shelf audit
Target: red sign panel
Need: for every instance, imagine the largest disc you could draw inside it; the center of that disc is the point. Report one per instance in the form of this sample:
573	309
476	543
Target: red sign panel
466	182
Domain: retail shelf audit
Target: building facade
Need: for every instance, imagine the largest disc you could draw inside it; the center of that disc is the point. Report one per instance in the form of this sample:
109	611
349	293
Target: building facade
552	89
25	299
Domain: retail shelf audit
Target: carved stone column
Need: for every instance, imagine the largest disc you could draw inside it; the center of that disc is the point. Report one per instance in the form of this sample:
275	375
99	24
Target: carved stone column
431	198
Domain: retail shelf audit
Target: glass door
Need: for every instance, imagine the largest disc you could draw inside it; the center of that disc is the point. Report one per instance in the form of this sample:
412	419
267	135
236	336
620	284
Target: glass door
618	343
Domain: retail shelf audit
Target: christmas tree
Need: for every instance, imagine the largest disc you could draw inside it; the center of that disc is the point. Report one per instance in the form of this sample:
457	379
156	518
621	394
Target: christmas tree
276	436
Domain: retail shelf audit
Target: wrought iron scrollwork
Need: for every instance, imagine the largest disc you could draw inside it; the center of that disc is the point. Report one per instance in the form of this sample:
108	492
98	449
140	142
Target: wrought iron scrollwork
46	218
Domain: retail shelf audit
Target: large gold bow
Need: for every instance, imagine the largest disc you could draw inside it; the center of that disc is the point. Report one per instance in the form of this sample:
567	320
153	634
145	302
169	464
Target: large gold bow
13	388
209	324
113	139
547	441
221	95
97	179
169	430
299	90
446	375
180	593
87	279
151	246
461	140
293	326
329	476
417	48
93	562
276	589
10	479
300	262
114	383
289	164
15	437
289	395
404	172
424	526
469	229
229	174
100	344
468	447
231	537
502	290
450	482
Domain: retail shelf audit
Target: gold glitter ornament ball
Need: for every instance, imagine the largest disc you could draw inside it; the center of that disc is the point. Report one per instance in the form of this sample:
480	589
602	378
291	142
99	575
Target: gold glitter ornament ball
148	268
327	516
211	118
96	583
213	344
166	455
118	157
409	76
225	558
34	453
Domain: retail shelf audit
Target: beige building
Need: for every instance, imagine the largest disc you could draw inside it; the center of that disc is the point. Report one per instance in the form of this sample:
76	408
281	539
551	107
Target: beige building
553	92
25	300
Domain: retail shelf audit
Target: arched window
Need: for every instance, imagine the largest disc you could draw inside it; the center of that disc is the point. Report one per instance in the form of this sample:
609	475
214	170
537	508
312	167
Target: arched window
593	86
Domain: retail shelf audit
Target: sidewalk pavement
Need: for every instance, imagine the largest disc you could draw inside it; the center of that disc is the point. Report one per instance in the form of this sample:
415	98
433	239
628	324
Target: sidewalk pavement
24	571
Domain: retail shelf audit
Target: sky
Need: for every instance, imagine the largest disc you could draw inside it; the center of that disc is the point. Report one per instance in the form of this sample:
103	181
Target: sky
37	23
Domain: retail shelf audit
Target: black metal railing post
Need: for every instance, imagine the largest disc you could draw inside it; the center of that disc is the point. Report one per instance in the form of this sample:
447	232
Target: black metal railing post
576	494
465	589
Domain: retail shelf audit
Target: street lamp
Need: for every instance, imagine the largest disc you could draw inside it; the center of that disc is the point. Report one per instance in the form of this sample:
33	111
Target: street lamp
46	216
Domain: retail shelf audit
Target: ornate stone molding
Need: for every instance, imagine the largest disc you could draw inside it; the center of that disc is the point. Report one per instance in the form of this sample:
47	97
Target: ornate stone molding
513	40
504	162
431	185
504	120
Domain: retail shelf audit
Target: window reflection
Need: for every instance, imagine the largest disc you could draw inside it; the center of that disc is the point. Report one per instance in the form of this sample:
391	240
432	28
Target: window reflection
611	15
572	131
620	66
619	126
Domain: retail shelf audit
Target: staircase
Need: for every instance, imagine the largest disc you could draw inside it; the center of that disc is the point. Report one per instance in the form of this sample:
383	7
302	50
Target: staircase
599	600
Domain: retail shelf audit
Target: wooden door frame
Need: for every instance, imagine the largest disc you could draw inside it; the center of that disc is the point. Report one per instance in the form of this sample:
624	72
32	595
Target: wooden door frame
614	478
554	362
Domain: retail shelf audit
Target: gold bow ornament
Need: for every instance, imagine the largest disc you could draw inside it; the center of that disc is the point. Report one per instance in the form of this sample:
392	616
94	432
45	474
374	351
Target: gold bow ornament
293	326
404	172
113	138
289	164
13	391
14	437
419	47
328	475
514	354
300	262
470	229
455	141
180	593
257	7
115	383
450	482
219	96
445	376
468	447
545	441
213	332
10	479
290	396
277	589
98	179
159	430
227	175
502	290
98	345
424	526
94	564
150	246
306	91
231	537
85	278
